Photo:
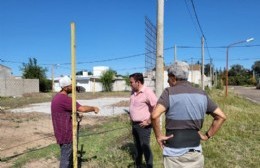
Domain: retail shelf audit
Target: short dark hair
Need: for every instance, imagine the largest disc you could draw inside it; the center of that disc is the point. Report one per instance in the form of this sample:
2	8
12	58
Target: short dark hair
137	77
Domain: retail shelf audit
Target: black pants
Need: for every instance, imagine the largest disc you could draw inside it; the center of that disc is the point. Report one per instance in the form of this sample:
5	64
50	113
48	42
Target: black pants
142	145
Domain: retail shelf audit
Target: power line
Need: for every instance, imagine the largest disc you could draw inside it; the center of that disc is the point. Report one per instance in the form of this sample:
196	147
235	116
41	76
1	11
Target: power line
198	22
132	56
197	19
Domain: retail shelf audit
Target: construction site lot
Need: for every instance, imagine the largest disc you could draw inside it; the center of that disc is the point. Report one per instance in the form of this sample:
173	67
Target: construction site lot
28	126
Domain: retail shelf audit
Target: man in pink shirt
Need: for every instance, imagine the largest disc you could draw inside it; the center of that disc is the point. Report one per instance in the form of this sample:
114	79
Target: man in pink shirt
142	102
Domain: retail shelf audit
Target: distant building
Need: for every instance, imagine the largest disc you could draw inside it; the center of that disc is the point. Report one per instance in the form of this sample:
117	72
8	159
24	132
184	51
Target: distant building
99	70
91	83
13	86
195	74
194	77
5	72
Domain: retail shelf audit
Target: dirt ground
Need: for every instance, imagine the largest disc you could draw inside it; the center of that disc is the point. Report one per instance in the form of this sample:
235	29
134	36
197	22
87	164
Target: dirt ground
22	132
28	131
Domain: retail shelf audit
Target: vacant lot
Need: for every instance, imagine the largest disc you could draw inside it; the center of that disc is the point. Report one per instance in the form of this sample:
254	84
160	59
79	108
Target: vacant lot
25	127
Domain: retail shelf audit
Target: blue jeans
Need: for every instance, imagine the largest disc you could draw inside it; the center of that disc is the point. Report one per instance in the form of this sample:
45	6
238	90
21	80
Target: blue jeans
66	156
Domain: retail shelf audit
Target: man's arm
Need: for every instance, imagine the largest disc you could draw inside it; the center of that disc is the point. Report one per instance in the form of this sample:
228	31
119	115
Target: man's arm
85	109
152	100
158	111
218	119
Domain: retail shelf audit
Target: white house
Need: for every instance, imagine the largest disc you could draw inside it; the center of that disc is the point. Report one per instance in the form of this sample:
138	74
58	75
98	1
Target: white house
195	74
99	70
91	83
194	77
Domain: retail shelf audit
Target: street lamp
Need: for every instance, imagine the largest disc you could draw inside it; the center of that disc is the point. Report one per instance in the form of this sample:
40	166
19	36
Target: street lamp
229	46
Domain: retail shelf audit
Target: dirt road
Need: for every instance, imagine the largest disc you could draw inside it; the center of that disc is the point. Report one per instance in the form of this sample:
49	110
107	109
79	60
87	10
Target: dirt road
250	93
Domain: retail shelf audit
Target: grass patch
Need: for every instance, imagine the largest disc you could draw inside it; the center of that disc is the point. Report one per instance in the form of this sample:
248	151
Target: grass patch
36	154
237	143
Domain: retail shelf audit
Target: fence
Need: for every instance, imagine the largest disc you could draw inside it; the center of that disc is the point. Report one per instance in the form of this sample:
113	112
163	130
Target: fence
17	87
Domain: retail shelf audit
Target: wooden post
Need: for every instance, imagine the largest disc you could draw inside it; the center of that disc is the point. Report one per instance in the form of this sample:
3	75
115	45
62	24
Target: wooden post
74	110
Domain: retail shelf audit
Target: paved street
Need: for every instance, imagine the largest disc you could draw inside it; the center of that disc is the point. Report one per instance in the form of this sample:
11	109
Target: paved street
250	93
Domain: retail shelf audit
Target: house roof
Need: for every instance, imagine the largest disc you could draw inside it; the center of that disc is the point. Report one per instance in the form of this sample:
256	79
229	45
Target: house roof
195	67
3	66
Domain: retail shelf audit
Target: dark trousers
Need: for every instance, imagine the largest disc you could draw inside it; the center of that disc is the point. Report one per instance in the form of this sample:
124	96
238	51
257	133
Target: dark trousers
66	156
142	145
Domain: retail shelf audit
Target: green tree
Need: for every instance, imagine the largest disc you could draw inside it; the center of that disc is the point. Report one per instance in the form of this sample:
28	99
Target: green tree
238	75
33	71
107	79
256	67
207	69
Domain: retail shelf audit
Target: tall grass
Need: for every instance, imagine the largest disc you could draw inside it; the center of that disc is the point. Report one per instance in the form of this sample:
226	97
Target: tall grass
237	143
110	144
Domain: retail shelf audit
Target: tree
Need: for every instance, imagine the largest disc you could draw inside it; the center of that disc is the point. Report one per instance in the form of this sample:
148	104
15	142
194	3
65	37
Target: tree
33	71
107	79
207	69
238	75
256	67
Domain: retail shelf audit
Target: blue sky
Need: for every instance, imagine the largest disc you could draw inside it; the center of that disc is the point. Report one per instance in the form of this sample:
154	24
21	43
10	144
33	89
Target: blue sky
111	29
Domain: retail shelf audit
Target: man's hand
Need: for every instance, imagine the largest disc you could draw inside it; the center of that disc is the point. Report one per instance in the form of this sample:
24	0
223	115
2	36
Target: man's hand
96	109
161	140
202	136
145	123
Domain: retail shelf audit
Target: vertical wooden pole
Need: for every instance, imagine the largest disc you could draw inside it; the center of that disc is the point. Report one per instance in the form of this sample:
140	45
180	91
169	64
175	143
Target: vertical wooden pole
74	110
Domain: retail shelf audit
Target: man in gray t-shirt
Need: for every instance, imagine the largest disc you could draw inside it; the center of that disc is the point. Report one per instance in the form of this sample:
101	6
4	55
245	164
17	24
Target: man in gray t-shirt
185	108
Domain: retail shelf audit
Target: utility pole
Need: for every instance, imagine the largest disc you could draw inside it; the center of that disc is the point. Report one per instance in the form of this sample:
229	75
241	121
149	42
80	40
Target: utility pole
210	72
53	66
192	70
52	78
202	63
159	51
159	74
175	53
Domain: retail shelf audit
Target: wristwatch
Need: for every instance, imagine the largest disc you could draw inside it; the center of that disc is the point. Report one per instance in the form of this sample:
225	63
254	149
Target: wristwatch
207	134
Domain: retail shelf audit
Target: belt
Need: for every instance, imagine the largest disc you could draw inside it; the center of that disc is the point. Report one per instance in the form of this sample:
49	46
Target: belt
136	122
194	150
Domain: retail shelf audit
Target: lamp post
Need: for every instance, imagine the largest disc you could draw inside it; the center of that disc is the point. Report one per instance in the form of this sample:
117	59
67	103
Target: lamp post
229	46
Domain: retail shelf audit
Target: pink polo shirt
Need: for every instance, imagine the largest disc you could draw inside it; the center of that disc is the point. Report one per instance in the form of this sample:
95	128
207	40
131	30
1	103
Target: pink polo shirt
142	104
